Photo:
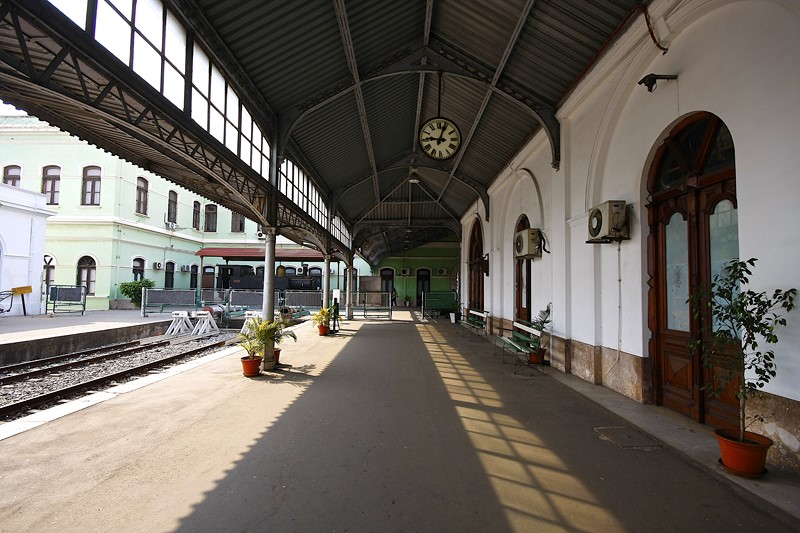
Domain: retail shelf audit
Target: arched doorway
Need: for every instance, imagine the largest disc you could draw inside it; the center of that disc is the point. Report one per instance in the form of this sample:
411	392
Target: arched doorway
87	274
193	277
522	278
208	277
476	265
423	283
693	232
169	275
387	279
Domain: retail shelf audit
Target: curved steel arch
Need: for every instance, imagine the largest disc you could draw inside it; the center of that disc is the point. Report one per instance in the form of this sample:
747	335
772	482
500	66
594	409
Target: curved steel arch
543	113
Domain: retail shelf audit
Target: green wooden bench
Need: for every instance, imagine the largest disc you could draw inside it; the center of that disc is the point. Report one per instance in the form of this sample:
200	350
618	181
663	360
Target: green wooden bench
476	320
439	303
524	341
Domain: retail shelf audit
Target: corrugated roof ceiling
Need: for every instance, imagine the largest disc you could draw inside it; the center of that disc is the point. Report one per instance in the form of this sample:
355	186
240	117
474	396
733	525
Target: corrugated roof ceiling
349	82
533	49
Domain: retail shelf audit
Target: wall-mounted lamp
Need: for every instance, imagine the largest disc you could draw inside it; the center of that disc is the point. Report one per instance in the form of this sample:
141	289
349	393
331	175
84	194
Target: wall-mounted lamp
650	80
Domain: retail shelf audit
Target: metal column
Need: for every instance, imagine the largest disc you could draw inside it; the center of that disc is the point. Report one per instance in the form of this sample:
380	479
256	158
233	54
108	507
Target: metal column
326	282
349	284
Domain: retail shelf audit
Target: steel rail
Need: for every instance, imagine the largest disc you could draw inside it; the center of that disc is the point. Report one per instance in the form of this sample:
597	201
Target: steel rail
35	401
4	380
55	358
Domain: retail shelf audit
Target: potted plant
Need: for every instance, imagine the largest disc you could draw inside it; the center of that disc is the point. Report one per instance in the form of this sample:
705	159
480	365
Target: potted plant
740	320
540	322
274	333
256	338
251	363
322	319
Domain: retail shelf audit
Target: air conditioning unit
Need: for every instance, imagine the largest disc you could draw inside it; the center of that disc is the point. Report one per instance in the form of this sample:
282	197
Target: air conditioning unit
261	235
441	272
608	222
171	225
156	265
528	243
405	271
186	268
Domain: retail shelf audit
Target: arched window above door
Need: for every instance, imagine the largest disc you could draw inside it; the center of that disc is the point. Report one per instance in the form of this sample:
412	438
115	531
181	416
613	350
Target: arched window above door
700	146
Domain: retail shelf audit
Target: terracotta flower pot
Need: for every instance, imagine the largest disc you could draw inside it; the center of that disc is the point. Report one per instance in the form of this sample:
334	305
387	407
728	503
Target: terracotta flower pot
537	357
323	330
277	353
743	458
251	367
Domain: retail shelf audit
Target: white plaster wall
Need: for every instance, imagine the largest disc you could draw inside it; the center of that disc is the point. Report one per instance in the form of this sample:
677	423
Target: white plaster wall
23	215
521	194
738	61
523	189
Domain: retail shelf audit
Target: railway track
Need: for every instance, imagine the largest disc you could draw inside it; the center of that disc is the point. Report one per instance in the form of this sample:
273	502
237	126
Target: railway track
15	367
13	409
52	365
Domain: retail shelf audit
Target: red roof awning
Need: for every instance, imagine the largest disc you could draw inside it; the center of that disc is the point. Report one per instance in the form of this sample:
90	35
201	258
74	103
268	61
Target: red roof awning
250	254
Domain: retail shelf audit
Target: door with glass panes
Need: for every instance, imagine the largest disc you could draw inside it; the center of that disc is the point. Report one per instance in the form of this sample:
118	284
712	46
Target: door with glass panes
693	233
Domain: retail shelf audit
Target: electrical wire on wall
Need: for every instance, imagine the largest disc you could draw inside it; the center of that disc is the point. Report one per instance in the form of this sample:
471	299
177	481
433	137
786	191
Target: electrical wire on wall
619	307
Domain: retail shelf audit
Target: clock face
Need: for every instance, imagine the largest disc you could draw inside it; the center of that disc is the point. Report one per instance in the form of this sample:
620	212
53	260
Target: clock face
439	138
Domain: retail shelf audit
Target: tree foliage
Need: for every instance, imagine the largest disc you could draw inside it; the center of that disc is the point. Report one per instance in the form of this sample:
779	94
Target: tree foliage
133	289
740	321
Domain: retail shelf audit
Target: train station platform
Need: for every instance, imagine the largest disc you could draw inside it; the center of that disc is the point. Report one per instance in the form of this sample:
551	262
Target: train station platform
15	328
24	338
402	425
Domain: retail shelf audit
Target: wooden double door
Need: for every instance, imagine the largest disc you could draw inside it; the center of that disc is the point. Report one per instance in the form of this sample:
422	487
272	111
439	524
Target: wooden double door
693	233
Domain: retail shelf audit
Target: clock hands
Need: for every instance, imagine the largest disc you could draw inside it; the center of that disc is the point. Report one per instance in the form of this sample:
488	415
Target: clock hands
439	140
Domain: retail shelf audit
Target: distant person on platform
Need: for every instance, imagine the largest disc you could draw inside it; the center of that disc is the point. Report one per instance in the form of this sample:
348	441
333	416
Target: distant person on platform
394	297
335	316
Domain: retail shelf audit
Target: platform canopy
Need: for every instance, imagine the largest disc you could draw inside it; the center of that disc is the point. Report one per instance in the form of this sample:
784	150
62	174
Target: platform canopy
341	88
257	254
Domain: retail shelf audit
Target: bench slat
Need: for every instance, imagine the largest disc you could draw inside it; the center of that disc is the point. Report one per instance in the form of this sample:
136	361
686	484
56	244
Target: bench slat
533	331
515	345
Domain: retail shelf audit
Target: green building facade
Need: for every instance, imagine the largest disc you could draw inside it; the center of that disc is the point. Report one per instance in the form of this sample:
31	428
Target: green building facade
116	222
431	267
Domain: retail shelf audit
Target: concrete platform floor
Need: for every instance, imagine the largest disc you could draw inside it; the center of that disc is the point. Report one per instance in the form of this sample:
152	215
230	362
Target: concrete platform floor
401	426
20	328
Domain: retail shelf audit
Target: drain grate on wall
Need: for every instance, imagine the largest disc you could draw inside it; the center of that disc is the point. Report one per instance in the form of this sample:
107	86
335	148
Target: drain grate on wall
627	438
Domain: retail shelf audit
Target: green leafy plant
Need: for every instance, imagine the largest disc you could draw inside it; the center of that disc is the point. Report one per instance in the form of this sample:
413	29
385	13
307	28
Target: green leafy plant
321	317
741	319
251	345
540	322
133	289
260	334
